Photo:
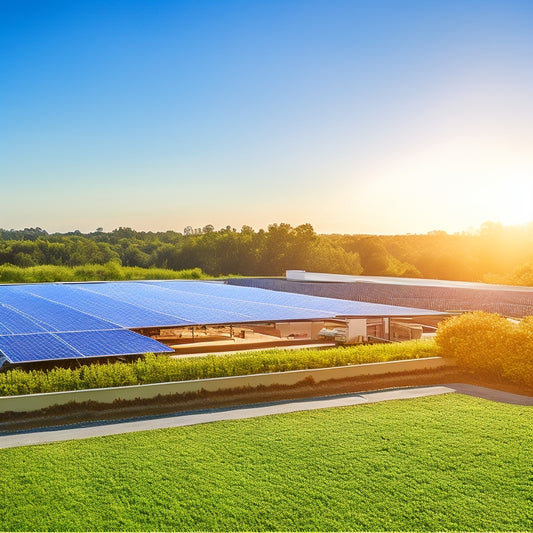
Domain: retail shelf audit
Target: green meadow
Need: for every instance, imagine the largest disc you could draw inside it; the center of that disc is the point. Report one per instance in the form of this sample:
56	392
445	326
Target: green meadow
443	463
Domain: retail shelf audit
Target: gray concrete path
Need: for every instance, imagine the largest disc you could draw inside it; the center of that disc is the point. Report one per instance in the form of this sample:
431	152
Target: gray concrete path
100	429
491	394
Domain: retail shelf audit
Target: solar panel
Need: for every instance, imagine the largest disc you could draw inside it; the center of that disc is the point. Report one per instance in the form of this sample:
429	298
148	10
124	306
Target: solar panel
35	347
117	342
187	310
281	304
50	315
81	298
73	345
12	322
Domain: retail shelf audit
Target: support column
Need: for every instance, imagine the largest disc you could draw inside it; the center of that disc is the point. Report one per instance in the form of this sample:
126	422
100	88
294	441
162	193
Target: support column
386	328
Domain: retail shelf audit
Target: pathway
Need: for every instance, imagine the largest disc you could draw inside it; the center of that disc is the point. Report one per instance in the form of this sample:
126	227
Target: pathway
101	429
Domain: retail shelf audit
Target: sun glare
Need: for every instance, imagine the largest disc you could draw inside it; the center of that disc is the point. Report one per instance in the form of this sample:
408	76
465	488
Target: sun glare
514	201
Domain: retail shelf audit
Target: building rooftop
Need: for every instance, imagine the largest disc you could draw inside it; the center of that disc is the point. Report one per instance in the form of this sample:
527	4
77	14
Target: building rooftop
302	275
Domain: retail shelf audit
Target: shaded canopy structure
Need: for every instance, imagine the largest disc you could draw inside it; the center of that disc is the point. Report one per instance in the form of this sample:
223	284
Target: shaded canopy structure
51	321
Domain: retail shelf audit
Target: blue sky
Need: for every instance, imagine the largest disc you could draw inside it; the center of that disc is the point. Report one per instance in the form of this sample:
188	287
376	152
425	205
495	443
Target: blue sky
358	117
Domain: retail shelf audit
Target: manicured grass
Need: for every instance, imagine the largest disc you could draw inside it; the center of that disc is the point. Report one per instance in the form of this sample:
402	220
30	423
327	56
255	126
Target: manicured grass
440	463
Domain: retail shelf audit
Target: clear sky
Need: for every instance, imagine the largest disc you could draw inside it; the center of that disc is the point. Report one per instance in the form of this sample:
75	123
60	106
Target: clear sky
356	116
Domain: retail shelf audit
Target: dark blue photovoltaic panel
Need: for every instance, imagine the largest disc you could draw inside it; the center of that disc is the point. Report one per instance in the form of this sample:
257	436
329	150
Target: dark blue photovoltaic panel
35	347
118	342
258	303
200	302
329	305
12	322
199	308
48	314
186	310
53	346
280	304
81	298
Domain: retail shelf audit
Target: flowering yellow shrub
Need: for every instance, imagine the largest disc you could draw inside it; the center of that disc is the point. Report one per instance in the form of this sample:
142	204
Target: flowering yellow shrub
490	344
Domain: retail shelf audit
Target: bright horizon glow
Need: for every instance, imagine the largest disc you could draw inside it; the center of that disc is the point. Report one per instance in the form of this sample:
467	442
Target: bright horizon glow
357	117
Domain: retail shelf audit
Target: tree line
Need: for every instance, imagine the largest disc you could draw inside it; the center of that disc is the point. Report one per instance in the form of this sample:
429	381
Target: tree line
494	253
226	251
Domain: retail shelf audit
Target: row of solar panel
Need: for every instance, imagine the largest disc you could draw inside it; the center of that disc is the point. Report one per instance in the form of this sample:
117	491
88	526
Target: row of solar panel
22	309
73	345
94	306
338	307
201	308
67	308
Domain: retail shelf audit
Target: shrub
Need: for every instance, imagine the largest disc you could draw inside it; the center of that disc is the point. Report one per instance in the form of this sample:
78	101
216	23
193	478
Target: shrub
152	369
489	344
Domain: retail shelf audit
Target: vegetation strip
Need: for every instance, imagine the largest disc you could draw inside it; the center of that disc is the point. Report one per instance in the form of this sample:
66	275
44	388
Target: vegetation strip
443	463
152	369
33	402
111	271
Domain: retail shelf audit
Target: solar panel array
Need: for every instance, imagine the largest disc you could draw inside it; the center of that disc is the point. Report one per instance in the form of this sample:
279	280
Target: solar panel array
462	296
72	320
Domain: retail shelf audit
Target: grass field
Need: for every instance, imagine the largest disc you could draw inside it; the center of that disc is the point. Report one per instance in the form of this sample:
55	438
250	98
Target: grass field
441	463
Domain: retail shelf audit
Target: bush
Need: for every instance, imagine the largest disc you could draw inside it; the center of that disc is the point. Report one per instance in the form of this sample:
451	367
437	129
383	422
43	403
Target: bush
489	344
152	369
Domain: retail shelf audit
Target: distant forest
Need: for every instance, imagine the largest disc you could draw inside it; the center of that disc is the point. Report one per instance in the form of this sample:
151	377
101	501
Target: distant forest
494	254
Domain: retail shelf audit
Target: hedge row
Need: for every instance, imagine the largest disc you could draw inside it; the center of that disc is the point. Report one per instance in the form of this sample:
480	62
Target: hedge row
107	272
152	369
489	344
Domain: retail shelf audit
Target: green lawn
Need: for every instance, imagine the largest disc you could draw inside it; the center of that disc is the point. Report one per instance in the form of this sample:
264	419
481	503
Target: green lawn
440	463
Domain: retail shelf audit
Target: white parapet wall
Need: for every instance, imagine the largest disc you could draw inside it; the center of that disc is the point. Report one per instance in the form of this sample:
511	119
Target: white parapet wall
302	275
35	402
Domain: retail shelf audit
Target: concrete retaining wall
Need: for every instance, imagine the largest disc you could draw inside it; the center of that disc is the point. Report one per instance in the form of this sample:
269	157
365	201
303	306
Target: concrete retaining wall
34	402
